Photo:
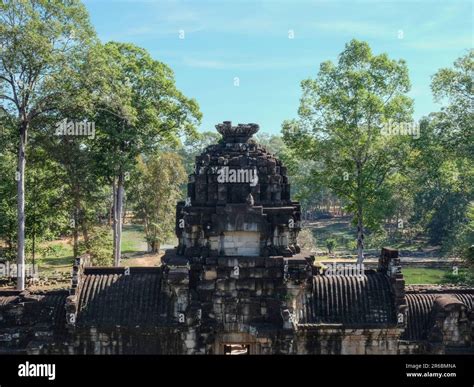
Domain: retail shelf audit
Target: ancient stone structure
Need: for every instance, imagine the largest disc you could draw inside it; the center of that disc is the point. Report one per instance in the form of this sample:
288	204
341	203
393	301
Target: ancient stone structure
238	201
238	283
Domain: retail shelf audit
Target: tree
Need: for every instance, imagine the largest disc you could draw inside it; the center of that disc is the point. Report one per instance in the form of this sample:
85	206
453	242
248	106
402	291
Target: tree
194	145
139	110
341	117
46	210
442	167
41	42
155	191
454	87
273	143
7	186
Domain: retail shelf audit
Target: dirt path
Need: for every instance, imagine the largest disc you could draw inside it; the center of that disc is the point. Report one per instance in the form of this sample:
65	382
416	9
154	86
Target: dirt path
142	260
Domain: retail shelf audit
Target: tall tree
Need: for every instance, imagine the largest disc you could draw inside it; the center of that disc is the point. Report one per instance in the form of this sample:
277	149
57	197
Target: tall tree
156	190
7	185
342	114
442	163
454	88
41	43
195	145
140	109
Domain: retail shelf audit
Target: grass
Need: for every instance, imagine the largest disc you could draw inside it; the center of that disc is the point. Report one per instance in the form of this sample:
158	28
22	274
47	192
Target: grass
60	258
337	229
133	239
421	276
344	233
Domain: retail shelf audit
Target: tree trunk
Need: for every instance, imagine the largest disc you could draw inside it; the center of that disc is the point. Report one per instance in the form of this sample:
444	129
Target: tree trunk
111	213
85	232
114	216
75	236
20	261
124	216
33	245
77	211
146	229
119	201
33	231
360	235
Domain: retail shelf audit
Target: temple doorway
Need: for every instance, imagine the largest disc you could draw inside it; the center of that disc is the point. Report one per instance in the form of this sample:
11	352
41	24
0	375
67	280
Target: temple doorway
236	349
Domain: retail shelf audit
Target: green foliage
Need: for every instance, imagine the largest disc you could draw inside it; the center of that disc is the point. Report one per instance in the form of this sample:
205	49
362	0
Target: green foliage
454	88
398	188
155	191
423	276
49	250
46	210
342	113
441	166
99	246
8	225
331	245
139	107
462	242
194	145
352	245
462	277
42	43
376	240
273	143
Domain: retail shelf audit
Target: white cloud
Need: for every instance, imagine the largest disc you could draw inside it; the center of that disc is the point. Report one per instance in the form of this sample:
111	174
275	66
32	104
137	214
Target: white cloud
433	43
229	64
352	28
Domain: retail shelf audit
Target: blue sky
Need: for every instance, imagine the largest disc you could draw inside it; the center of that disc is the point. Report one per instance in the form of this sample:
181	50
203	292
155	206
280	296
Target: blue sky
249	40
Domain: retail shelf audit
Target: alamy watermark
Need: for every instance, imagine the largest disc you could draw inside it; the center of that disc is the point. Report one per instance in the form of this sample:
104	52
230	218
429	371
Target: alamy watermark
228	175
345	269
75	128
28	369
392	128
10	270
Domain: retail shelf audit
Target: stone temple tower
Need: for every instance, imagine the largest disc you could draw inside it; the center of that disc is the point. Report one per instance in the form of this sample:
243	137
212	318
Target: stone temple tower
238	201
238	249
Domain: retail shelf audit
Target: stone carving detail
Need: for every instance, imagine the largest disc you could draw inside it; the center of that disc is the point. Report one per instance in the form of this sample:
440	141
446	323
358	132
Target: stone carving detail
238	187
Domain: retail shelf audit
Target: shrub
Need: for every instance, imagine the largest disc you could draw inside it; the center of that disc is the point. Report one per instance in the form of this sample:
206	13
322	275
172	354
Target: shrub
330	245
99	247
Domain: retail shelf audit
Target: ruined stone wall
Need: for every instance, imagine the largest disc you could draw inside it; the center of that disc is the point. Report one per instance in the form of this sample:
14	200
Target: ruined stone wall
117	341
440	319
327	340
252	297
31	321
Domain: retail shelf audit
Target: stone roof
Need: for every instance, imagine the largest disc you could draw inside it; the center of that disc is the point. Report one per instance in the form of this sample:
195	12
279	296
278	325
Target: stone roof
240	133
109	297
361	301
236	152
420	309
28	309
7	299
